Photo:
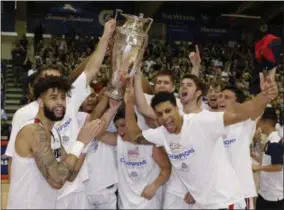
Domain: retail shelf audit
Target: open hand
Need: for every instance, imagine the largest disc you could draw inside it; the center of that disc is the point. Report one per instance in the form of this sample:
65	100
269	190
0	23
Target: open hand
91	130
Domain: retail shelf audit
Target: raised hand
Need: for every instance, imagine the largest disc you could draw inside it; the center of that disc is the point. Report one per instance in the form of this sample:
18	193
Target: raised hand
195	57
109	28
91	130
114	104
268	84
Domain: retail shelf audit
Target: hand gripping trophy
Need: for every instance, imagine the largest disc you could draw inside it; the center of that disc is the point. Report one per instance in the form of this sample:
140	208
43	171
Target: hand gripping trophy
130	41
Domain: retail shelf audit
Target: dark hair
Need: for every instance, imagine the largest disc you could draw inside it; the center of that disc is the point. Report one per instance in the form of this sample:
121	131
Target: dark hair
238	93
270	115
55	82
166	73
198	83
39	73
163	97
215	84
121	115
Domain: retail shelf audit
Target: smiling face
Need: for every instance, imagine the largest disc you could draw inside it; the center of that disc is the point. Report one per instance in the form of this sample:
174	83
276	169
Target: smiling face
90	102
168	116
53	103
188	91
227	100
213	96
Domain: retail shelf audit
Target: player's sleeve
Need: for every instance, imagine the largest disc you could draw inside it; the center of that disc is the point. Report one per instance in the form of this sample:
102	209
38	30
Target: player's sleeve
154	136
80	91
213	124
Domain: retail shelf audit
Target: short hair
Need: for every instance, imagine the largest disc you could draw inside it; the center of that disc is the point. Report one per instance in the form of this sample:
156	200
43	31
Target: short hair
55	82
166	73
238	93
215	84
270	115
120	115
163	97
198	82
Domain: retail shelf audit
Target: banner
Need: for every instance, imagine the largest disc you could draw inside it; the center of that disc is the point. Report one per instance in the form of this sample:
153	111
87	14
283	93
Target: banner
80	18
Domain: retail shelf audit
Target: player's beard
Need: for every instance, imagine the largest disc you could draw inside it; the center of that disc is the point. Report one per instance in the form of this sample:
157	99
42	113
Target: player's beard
51	115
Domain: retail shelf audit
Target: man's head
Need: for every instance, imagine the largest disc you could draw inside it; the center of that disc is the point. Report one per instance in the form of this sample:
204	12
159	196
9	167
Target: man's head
41	73
268	121
164	104
164	82
213	93
50	92
90	102
230	97
119	121
191	89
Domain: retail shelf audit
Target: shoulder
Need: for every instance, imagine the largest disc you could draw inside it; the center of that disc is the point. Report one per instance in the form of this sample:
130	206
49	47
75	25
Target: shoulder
25	113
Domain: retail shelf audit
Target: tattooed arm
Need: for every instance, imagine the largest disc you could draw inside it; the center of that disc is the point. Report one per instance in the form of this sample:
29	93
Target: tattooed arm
35	141
78	165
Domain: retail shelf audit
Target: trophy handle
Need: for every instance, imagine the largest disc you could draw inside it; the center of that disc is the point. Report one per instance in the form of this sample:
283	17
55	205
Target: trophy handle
150	23
117	11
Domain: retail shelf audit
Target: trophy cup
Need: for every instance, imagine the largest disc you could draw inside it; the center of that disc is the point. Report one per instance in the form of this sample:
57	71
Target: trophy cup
130	41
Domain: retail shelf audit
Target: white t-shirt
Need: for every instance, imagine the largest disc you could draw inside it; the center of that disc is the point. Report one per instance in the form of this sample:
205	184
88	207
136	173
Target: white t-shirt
68	127
200	159
271	183
28	188
237	142
102	169
136	170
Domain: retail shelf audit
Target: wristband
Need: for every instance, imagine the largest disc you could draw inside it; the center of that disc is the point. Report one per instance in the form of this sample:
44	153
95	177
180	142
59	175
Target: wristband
77	148
85	150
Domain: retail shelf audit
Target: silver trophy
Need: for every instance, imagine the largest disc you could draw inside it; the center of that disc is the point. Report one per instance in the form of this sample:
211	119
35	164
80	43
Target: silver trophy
130	41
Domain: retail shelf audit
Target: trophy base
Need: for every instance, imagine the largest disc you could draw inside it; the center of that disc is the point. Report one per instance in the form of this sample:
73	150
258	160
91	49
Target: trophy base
114	94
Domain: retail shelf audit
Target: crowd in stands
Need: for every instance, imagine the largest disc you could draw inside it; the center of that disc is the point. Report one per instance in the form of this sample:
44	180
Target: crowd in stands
229	62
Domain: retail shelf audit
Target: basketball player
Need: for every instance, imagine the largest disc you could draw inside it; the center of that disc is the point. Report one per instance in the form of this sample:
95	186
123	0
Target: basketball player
237	140
40	163
142	170
102	183
68	126
198	154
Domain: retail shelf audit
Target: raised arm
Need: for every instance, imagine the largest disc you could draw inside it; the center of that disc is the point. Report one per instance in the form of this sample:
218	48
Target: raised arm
254	107
195	61
100	108
96	59
135	133
141	102
56	173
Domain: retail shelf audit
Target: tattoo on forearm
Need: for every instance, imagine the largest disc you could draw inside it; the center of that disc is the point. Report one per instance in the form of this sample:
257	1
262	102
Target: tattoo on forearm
54	172
73	176
142	140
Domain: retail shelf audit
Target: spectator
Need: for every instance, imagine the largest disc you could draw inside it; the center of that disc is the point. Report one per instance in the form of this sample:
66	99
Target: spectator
18	58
